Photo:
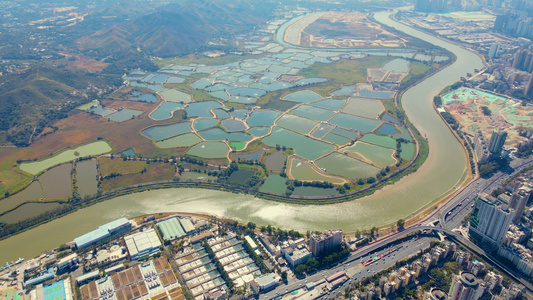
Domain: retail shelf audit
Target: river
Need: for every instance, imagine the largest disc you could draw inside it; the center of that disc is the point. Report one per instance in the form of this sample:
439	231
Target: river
441	173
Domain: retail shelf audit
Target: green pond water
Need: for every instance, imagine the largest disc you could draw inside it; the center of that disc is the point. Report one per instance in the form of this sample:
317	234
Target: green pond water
217	134
303	96
312	112
296	123
274	184
237	145
183	140
345	133
305	147
309	191
354	122
363	107
36	167
162	132
262	118
56	182
165	110
408	150
302	171
380	157
86	174
175	96
345	166
201	124
379	140
209	150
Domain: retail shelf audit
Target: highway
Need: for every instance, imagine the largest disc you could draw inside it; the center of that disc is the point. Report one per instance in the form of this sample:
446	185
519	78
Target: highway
459	206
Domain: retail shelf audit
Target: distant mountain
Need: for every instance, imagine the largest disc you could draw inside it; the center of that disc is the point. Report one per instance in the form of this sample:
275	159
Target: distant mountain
177	28
32	99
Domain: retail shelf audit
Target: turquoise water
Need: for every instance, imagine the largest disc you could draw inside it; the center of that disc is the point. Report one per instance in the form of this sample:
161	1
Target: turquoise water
176	96
303	96
334	104
307	81
233	125
313	112
322	130
161	132
354	122
183	140
128	152
174	79
124	114
345	133
240	113
375	94
305	147
222	95
165	110
346	90
262	118
367	108
201	109
201	124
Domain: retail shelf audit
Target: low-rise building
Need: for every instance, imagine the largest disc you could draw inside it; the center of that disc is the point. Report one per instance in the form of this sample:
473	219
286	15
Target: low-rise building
67	262
297	255
142	244
265	282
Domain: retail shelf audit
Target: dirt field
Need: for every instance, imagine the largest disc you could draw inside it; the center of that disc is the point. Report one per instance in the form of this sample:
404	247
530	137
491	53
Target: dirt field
347	30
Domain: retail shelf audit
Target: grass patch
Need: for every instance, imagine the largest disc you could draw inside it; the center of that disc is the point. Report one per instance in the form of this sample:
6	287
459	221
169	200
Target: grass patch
345	72
417	68
110	165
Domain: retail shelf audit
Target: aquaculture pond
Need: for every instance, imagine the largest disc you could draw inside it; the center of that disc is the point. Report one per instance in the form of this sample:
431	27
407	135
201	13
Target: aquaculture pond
36	167
354	122
334	104
322	130
363	107
247	92
145	98
86	177
305	147
56	182
336	139
347	90
387	129
28	210
379	156
376	94
240	113
303	96
175	96
311	192
259	131
379	140
201	124
346	166
217	134
303	171
408	150
262	118
400	65
292	122
165	110
201	109
183	140
209	150
274	184
275	161
161	132
313	112
33	192
124	114
221	114
233	125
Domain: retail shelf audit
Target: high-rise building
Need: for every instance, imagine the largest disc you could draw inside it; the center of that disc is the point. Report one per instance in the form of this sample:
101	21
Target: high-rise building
528	89
493	52
518	202
519	58
481	147
325	242
497	140
490	220
465	287
435	294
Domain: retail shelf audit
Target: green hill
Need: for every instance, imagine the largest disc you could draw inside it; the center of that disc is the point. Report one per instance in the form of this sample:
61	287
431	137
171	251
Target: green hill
32	99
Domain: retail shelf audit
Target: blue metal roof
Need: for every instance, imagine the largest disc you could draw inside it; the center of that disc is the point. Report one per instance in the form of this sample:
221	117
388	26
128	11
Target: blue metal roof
100	233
